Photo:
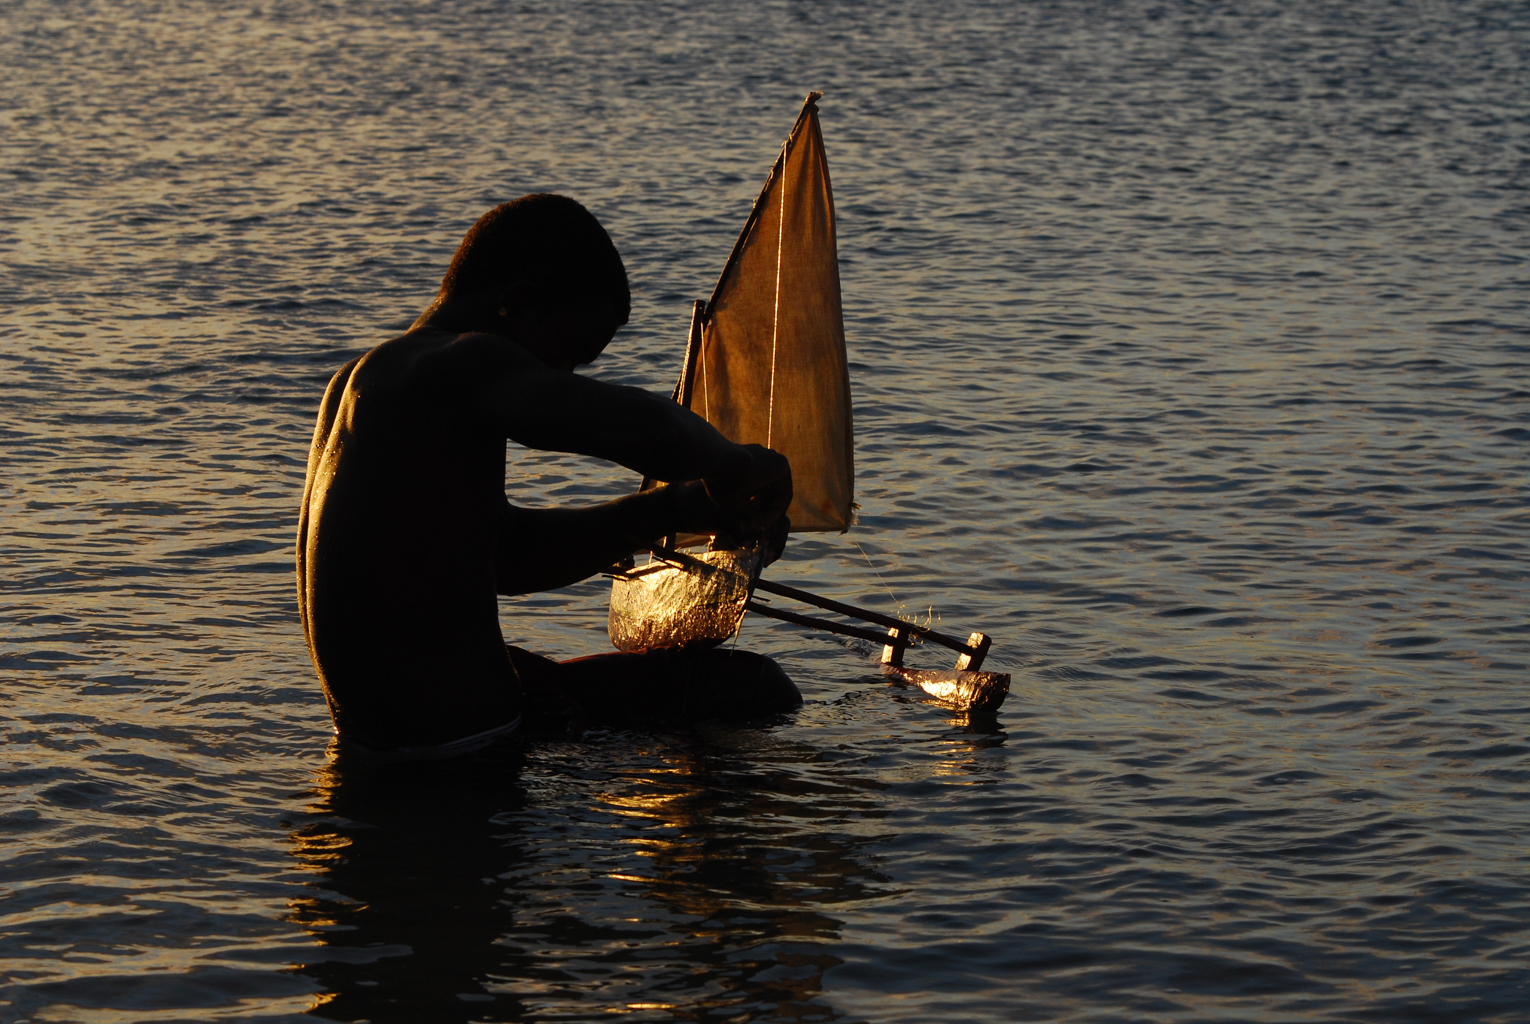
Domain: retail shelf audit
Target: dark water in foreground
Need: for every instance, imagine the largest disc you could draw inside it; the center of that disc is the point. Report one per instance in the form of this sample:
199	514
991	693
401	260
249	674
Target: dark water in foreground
1190	350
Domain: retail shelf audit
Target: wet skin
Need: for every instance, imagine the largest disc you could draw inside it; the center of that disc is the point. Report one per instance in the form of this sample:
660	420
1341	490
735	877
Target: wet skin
405	536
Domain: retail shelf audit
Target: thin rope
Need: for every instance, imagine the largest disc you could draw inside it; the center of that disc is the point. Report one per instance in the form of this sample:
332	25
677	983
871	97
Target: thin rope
874	572
775	319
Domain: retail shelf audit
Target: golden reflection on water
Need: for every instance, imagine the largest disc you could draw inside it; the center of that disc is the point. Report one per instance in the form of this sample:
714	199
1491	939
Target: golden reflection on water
455	881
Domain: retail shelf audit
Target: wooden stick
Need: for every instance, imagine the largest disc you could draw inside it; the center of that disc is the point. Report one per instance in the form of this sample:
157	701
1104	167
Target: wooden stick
782	590
826	625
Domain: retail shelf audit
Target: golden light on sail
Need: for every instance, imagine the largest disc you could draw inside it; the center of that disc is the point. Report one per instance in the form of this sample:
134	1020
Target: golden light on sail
766	361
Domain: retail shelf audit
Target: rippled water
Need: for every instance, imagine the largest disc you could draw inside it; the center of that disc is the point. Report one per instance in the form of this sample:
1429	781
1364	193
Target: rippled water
1189	345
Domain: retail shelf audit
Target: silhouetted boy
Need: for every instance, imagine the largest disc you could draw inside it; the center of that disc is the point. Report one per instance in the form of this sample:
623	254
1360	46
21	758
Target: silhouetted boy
406	538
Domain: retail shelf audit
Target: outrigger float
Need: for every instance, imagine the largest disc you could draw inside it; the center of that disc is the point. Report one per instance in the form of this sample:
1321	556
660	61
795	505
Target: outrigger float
765	364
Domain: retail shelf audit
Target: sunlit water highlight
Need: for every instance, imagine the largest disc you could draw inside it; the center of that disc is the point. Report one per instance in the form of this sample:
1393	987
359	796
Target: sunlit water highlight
1189	351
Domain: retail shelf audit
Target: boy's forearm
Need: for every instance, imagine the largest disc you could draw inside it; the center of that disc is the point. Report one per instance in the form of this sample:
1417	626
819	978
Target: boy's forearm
665	441
543	549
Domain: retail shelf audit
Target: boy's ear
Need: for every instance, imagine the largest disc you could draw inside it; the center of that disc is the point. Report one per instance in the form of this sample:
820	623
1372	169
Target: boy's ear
515	297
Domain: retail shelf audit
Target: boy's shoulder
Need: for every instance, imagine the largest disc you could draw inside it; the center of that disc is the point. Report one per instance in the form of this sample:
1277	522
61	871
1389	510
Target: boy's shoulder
429	357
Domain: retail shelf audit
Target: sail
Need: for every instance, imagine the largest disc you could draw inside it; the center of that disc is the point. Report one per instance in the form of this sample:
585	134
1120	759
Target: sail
766	359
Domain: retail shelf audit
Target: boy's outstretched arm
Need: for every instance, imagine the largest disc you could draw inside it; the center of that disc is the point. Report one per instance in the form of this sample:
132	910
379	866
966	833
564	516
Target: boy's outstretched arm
546	548
553	410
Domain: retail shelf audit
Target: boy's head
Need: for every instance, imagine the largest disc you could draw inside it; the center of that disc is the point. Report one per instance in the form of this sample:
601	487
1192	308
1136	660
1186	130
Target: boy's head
552	254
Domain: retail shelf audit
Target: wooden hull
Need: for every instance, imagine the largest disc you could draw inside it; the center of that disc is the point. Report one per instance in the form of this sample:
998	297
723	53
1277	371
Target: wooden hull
957	690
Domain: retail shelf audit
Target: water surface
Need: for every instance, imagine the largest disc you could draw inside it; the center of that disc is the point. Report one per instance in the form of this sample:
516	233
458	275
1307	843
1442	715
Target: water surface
1189	348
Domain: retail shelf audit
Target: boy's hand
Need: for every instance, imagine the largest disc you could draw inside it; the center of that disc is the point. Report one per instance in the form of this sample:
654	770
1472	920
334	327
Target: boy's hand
757	498
696	512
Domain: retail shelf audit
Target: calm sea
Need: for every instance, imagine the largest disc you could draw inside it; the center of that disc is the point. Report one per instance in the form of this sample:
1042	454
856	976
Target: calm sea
1190	348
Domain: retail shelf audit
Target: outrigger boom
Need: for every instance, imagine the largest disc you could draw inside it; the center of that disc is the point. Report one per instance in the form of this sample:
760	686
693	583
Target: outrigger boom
898	635
964	687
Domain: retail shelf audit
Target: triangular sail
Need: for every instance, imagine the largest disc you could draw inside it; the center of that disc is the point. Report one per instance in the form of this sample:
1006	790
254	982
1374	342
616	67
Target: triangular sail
766	359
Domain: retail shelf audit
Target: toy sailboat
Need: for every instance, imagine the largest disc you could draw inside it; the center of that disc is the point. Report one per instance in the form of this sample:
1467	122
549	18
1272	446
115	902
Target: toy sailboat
765	364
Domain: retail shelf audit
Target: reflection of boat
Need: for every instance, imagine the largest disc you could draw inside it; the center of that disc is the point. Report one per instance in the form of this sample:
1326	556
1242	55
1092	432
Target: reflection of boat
765	364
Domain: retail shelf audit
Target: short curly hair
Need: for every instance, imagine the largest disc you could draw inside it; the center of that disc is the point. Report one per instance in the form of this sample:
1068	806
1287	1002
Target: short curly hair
549	240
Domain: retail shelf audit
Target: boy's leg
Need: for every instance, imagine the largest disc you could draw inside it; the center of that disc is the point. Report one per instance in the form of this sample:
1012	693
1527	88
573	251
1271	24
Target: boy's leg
667	684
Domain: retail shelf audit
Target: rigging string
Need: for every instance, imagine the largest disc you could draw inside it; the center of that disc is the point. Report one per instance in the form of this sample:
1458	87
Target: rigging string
896	602
775	323
775	318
